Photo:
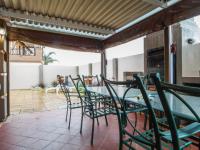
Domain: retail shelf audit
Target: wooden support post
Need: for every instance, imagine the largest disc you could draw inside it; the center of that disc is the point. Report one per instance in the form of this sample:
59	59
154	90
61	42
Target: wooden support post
115	69
8	76
4	78
103	63
166	54
177	40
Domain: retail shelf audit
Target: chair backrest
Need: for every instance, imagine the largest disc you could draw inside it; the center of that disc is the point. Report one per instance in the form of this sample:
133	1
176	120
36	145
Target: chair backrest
151	112
177	91
77	84
120	105
148	81
80	88
63	87
91	80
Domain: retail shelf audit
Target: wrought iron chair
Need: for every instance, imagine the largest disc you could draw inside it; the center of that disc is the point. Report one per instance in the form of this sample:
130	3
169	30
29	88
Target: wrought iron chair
79	88
147	81
155	132
91	109
94	81
127	127
70	105
176	135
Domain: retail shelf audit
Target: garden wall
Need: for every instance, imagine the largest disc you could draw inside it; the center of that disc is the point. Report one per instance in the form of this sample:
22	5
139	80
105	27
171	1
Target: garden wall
28	75
24	75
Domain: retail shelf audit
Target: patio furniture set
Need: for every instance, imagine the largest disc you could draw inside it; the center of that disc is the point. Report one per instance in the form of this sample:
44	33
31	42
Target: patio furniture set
164	109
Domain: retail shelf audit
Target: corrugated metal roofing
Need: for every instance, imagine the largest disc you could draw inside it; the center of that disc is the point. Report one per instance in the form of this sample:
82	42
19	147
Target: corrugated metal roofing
109	15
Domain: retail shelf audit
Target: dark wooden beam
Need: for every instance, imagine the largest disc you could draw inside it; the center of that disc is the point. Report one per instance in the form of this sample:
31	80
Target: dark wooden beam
103	64
180	11
8	75
55	40
166	54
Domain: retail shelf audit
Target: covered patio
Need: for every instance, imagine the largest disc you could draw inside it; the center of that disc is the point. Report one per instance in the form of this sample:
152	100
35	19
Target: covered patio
103	118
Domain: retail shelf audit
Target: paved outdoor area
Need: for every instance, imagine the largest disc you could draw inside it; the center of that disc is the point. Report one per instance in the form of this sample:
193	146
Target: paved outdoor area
48	130
35	100
40	124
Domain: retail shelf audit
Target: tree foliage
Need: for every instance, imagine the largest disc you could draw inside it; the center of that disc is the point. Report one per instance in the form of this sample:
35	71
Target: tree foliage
47	58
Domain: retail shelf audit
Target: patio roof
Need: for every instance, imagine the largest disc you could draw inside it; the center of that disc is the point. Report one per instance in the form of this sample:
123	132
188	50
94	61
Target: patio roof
91	25
91	18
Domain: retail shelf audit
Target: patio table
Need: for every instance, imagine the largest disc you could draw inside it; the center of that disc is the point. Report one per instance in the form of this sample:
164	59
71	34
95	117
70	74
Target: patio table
135	96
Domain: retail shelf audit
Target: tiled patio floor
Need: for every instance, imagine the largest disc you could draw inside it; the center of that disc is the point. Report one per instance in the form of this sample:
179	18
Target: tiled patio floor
46	128
48	131
34	101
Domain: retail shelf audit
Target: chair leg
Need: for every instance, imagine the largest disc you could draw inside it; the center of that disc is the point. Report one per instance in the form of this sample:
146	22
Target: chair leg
106	120
81	121
145	120
93	121
70	118
121	142
152	148
135	123
97	121
199	142
96	114
66	114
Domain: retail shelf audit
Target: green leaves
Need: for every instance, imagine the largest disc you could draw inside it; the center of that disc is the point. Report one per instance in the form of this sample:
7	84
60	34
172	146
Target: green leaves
47	58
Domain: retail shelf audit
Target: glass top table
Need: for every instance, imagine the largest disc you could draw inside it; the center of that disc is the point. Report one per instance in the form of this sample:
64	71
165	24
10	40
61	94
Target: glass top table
135	96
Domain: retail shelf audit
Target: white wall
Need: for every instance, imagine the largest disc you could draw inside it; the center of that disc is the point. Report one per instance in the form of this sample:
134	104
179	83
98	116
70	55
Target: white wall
27	75
130	48
109	70
96	68
24	75
50	72
84	70
191	60
133	63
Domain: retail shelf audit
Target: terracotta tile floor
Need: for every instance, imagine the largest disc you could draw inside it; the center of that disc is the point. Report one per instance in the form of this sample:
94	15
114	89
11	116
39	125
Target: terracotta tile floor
35	100
48	131
46	128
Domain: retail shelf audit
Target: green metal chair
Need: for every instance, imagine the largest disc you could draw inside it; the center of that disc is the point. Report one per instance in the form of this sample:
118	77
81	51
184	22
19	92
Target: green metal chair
80	90
128	133
157	131
70	105
160	117
91	107
94	83
175	135
154	124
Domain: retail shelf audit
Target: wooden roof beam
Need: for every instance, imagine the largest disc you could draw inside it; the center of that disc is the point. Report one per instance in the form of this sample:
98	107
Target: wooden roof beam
182	10
55	40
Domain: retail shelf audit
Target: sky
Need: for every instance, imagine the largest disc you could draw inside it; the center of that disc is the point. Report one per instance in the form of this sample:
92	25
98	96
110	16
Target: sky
73	58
